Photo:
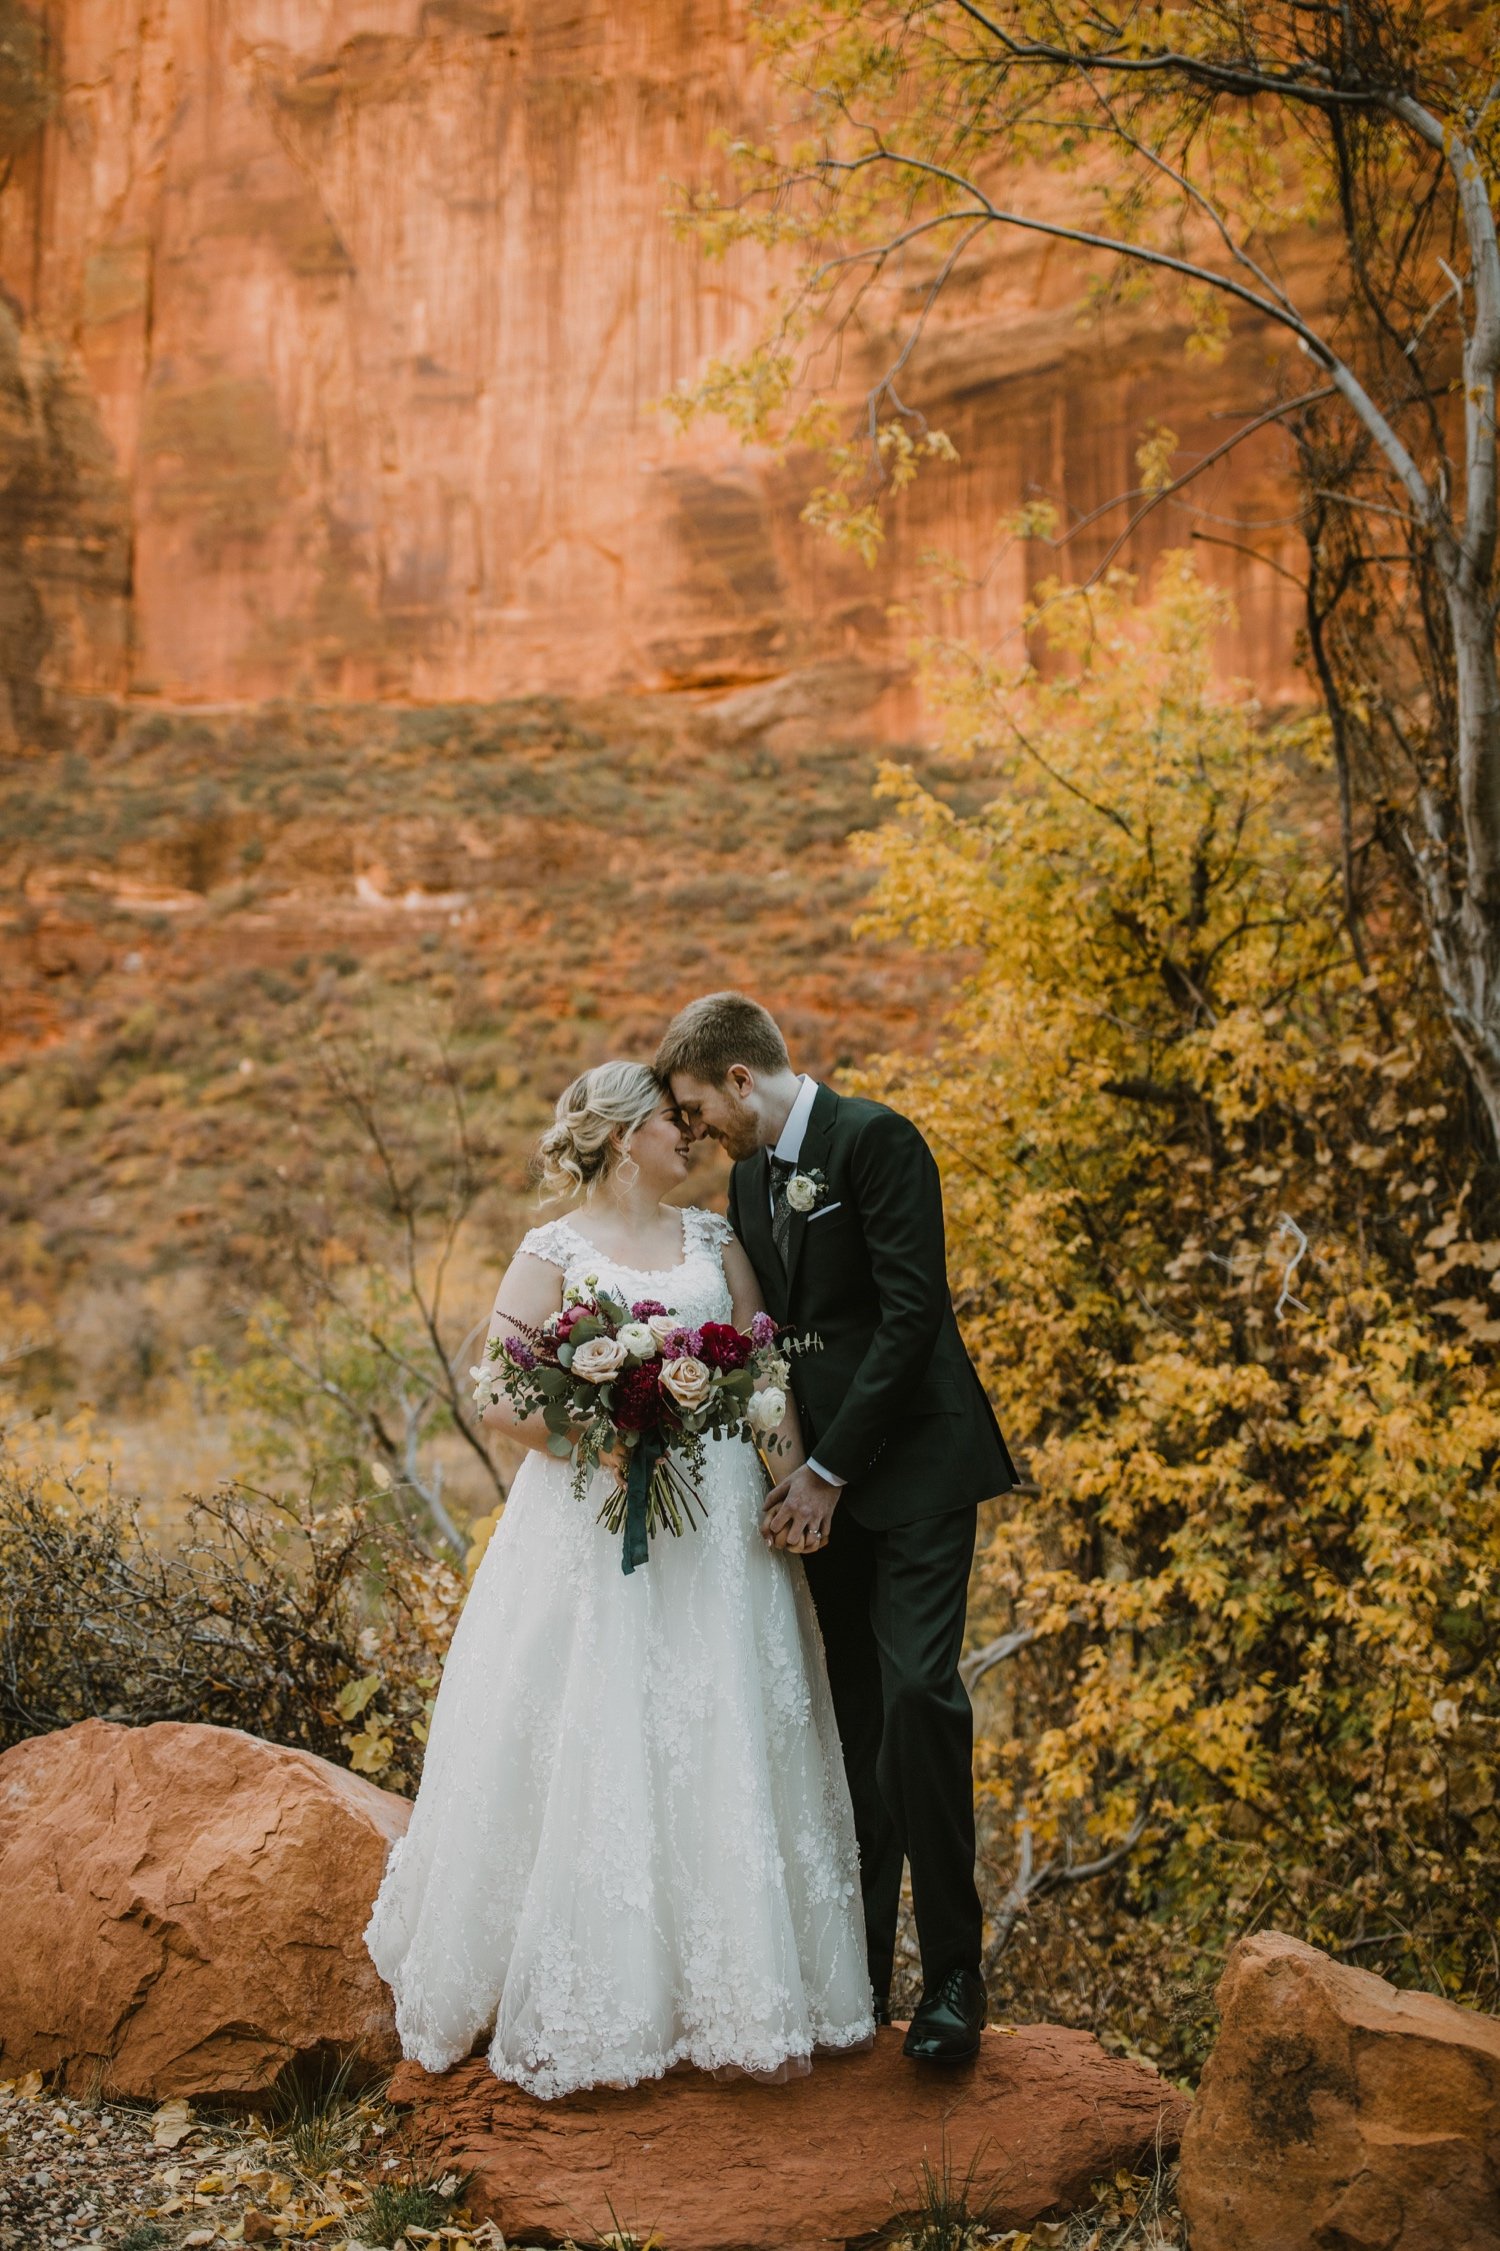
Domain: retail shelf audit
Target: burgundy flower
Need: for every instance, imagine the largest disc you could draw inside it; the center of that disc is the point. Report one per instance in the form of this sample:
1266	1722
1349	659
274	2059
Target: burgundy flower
722	1347
636	1398
646	1307
572	1315
764	1330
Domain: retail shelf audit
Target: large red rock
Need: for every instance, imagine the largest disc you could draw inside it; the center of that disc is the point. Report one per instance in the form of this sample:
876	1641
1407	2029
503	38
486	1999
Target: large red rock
354	316
1338	2114
731	2165
184	1909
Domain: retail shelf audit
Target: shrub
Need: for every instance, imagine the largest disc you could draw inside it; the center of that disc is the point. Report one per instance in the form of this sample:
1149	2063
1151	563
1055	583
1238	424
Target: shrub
1219	1240
323	1629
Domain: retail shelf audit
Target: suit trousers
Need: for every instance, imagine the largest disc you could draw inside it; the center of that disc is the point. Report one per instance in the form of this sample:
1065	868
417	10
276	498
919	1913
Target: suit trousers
891	1607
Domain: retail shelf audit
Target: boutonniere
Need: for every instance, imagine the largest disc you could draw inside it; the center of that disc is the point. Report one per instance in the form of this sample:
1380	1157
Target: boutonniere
806	1190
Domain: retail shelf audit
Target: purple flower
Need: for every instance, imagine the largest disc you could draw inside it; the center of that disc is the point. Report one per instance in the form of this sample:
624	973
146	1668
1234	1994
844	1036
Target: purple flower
683	1344
763	1331
519	1353
646	1307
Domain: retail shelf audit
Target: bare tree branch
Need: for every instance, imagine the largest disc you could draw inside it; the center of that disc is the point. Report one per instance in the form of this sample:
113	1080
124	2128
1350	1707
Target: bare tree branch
1031	1883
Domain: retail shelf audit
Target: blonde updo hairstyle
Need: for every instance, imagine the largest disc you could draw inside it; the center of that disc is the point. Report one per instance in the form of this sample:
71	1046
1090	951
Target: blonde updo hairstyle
596	1119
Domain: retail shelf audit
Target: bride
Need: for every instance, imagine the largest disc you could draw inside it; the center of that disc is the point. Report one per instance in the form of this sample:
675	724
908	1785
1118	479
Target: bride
632	1847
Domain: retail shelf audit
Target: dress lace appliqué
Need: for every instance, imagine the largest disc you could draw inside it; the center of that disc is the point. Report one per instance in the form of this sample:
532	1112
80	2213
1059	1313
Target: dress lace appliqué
632	1847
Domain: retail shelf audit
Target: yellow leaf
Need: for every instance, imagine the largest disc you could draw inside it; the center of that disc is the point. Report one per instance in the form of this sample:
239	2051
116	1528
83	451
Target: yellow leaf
1153	458
370	1752
355	1694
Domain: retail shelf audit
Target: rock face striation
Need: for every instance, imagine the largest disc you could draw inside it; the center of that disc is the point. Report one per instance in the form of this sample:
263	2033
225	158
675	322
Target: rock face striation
736	2166
184	1909
1338	2114
366	308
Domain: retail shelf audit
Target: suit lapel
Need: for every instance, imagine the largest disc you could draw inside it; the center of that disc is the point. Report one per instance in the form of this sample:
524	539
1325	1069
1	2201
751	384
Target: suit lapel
815	1143
755	1213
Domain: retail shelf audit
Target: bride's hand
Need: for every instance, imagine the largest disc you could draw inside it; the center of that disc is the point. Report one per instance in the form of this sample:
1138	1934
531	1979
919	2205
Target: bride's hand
799	1511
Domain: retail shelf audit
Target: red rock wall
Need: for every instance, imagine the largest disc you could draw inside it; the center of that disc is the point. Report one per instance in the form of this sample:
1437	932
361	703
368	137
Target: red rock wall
361	308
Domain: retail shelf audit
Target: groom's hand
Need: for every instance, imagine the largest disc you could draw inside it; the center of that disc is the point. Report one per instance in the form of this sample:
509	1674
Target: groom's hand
799	1511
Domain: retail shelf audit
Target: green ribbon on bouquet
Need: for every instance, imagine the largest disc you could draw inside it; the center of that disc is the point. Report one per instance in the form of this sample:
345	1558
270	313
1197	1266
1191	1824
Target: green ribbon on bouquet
635	1547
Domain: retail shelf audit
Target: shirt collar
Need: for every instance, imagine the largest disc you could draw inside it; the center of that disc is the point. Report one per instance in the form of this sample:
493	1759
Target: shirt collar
794	1132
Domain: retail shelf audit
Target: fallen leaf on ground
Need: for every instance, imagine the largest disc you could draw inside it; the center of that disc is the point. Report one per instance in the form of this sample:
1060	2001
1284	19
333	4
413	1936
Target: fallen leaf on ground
172	2123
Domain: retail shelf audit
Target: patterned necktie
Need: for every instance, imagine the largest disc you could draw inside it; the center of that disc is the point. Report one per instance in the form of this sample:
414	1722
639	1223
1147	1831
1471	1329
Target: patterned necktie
782	1169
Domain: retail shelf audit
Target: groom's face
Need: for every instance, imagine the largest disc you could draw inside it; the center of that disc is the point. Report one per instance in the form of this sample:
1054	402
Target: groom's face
726	1114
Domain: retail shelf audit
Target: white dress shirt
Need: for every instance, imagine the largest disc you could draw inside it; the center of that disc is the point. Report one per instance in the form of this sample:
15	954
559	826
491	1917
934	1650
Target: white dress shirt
789	1149
794	1132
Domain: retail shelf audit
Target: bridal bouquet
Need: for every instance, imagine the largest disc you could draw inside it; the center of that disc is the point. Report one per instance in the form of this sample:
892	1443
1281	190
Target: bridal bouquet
635	1380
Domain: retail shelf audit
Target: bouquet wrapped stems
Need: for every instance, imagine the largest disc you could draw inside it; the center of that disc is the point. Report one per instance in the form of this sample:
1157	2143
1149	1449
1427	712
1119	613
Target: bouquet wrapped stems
653	1496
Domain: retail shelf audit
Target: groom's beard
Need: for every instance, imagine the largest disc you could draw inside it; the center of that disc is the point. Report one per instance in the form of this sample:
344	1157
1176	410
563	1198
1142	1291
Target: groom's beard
739	1140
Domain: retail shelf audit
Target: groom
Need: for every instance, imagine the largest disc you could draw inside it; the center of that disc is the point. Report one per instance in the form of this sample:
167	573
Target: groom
839	1206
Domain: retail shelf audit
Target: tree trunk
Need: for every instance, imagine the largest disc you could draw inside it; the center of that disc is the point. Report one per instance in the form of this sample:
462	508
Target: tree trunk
1464	923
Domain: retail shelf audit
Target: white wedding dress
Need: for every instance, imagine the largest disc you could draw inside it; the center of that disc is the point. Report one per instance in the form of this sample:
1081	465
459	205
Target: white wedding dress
632	1847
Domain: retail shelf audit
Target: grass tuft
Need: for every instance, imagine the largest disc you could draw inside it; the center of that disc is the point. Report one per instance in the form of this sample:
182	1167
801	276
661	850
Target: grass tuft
148	2236
952	2211
395	2206
314	2111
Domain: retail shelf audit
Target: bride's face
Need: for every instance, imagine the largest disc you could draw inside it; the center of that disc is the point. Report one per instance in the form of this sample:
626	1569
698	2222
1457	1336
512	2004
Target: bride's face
660	1148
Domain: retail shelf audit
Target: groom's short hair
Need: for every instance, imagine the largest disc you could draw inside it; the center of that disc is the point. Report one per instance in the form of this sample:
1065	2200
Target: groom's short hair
707	1038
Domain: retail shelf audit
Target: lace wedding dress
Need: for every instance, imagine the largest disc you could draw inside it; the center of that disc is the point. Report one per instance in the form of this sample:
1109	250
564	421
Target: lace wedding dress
632	1847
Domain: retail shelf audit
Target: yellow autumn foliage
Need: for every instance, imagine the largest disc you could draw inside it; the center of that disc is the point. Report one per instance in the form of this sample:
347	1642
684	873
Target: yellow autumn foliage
1218	1241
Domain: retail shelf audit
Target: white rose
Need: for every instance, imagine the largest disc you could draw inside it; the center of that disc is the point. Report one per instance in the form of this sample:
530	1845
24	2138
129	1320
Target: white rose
687	1381
599	1359
766	1409
639	1339
663	1325
801	1192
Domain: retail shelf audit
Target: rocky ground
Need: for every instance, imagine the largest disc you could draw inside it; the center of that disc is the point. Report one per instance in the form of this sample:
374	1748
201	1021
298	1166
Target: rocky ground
334	2174
76	2172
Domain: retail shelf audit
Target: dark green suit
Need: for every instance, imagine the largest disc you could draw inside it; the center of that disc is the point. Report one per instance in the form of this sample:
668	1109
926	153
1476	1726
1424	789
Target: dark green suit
891	1403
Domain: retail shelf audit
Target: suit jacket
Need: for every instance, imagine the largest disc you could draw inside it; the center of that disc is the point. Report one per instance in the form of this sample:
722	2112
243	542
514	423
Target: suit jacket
891	1400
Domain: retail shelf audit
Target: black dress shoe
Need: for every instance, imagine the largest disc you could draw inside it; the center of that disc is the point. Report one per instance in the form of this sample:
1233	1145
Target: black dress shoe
947	2023
881	2010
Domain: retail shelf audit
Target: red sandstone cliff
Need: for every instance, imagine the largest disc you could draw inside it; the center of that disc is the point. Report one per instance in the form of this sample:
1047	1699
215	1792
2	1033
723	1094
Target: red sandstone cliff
337	328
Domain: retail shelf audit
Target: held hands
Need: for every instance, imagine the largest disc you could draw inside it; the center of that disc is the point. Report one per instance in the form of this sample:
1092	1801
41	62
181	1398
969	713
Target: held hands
799	1511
